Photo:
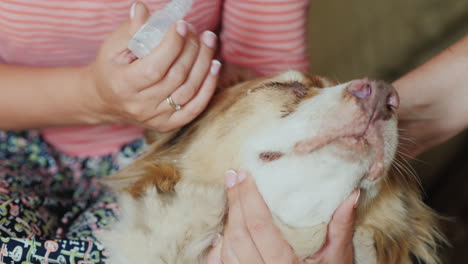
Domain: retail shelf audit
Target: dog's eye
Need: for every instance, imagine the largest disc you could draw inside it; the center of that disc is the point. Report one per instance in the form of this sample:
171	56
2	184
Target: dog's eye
270	155
297	88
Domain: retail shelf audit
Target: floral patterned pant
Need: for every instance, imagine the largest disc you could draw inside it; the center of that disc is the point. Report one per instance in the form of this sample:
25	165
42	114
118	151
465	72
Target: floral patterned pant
51	204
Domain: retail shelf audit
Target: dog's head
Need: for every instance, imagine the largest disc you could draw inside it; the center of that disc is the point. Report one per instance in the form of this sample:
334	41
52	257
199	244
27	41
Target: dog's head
308	142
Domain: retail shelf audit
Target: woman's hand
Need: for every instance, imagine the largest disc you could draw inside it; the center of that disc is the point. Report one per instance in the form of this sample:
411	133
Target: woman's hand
251	237
129	90
434	100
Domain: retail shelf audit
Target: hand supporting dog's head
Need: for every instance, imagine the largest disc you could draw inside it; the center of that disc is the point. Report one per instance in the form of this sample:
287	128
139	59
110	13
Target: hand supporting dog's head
308	142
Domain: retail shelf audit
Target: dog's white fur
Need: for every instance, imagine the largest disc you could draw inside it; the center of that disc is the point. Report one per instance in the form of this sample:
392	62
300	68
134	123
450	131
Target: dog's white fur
302	189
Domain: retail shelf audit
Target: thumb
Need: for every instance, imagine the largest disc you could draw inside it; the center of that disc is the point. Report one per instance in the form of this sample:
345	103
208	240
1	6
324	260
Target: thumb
214	256
139	14
338	246
341	227
341	230
115	45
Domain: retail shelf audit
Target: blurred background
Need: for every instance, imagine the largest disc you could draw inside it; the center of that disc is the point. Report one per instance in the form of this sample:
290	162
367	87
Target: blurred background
384	40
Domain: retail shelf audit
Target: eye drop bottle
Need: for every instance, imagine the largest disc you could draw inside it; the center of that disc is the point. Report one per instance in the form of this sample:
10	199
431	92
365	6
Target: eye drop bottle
151	33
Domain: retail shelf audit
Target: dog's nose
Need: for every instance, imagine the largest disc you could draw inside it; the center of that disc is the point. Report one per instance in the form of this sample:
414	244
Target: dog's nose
360	88
377	96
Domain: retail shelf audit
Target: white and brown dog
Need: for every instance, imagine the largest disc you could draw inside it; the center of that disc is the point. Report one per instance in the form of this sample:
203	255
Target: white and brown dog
308	143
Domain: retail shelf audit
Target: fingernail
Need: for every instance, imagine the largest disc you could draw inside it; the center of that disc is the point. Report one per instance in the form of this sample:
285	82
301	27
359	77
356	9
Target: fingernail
209	38
241	176
132	10
216	240
181	28
356	202
230	178
215	67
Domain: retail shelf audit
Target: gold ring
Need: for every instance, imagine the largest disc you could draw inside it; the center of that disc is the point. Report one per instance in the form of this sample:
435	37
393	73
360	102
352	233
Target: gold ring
175	106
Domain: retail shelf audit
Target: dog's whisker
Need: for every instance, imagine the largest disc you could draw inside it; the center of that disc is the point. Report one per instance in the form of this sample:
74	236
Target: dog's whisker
410	172
407	139
397	167
410	168
405	156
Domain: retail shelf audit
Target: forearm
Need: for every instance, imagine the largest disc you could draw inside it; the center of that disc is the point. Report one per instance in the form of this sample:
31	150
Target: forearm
44	97
434	98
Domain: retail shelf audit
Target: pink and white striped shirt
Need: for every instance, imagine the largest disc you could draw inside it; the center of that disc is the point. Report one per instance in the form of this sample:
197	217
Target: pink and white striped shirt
266	36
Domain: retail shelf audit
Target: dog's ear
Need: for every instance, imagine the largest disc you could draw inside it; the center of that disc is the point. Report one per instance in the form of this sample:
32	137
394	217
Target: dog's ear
156	168
162	176
146	172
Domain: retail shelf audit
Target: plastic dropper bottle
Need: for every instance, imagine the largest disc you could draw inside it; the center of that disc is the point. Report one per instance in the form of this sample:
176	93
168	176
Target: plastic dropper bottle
151	33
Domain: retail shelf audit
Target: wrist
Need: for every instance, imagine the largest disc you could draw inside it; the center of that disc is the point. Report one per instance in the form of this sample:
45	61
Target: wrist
94	110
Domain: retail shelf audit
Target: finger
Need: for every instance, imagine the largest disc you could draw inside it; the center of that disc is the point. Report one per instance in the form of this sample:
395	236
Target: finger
237	237
139	14
117	41
266	236
338	247
214	256
175	77
341	226
125	57
158	123
199	71
195	106
154	66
